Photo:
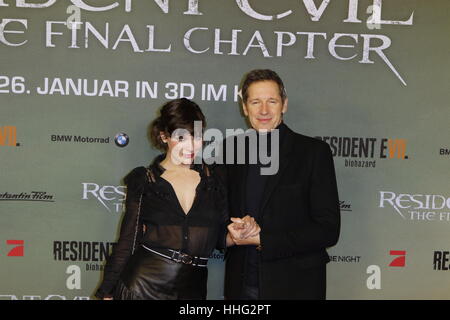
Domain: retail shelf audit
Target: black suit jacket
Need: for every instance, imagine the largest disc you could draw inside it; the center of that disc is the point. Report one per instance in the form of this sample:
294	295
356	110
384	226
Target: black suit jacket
300	218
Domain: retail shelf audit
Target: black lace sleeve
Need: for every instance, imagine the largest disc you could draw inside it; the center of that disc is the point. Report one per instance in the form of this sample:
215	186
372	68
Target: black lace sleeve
130	233
219	171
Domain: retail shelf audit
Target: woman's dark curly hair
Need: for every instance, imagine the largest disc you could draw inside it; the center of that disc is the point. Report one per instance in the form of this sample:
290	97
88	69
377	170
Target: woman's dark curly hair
175	114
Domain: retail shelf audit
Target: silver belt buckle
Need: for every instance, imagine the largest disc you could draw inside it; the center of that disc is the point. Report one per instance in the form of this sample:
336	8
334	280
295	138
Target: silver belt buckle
185	258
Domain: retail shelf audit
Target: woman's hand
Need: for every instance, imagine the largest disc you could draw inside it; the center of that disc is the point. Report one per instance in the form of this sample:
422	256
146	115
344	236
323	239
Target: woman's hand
243	231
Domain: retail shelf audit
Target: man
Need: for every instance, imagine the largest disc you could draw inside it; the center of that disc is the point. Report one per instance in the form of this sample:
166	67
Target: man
297	208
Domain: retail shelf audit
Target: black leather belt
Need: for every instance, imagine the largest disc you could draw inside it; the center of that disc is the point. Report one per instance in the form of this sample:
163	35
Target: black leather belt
179	256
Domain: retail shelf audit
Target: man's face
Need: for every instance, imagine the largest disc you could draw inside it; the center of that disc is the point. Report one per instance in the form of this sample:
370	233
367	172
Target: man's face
264	107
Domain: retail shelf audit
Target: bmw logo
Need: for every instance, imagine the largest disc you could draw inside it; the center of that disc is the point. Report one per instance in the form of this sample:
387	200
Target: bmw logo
121	139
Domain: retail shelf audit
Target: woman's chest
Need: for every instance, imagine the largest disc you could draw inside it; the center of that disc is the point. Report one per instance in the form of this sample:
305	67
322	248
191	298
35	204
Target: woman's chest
161	204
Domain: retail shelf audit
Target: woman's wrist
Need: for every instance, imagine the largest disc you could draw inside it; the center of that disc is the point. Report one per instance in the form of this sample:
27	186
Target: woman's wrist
230	240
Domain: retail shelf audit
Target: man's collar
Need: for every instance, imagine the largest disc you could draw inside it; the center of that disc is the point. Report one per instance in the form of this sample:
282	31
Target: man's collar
282	128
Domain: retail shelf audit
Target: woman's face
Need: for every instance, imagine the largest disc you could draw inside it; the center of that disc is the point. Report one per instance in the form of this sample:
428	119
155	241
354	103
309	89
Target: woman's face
182	146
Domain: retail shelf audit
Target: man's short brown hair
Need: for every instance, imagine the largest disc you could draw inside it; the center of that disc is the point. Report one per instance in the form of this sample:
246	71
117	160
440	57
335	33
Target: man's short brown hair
262	75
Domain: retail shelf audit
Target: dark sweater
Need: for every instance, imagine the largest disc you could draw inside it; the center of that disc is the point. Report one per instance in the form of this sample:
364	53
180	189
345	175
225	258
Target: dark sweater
255	185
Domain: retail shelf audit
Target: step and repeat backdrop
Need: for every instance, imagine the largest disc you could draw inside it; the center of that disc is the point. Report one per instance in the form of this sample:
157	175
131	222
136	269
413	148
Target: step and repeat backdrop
80	82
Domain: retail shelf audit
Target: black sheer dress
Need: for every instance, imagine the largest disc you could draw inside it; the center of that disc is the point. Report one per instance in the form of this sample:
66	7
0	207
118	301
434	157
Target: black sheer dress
154	219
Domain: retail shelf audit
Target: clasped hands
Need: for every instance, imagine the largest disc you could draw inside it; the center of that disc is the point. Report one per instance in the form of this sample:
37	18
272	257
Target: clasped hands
243	231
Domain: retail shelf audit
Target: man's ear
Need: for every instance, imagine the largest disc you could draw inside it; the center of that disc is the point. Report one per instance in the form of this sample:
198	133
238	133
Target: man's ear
244	108
285	106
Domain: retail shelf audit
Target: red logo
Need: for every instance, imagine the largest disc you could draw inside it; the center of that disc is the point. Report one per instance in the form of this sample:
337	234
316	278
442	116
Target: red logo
18	250
400	261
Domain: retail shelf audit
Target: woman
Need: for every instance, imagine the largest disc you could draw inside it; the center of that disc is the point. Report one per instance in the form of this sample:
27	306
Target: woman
176	215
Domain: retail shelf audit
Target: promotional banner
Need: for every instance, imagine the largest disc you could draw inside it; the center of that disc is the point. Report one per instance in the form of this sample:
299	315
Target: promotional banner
81	81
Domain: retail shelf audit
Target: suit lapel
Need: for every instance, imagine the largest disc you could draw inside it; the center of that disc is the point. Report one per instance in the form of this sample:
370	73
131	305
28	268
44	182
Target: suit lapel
242	178
239	178
285	158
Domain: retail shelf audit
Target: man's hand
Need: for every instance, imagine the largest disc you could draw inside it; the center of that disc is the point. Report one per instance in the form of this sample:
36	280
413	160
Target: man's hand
256	241
243	231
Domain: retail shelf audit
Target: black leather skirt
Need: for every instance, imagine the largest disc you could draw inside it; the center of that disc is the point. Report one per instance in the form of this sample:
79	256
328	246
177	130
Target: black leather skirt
148	276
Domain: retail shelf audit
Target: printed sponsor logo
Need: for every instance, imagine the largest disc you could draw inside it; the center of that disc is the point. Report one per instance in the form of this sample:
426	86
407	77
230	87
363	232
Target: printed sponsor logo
345	259
40	297
17	250
441	260
363	152
216	256
8	136
37	196
345	206
417	207
110	197
93	254
78	139
121	140
400	260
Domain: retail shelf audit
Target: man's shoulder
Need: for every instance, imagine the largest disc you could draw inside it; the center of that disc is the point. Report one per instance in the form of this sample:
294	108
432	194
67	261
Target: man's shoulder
306	141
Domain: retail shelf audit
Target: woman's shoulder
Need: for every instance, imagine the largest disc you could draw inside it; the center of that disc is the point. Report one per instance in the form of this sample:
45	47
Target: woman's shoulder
215	177
217	171
136	177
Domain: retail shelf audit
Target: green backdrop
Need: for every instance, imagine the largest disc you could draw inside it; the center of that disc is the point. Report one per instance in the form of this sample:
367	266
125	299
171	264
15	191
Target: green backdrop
369	77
